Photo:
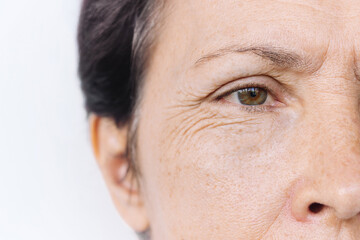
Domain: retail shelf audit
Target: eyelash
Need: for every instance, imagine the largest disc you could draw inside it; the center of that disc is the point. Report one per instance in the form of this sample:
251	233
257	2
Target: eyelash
250	109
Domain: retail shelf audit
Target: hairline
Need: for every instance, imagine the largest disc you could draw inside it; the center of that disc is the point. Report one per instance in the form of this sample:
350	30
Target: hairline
144	39
146	30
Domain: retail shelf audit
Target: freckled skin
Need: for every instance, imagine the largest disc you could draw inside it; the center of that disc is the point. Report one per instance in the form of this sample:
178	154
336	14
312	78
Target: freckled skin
215	171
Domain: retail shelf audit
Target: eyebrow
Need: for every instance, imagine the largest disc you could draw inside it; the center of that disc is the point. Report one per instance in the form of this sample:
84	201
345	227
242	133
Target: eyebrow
278	56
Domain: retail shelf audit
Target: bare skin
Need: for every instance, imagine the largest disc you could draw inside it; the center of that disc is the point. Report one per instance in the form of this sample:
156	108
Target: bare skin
213	168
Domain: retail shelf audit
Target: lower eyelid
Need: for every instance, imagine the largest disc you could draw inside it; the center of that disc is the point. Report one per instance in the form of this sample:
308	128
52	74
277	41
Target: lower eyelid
247	108
254	109
259	108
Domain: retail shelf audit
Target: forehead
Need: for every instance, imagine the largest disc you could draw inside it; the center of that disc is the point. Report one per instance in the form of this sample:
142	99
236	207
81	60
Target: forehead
311	26
327	11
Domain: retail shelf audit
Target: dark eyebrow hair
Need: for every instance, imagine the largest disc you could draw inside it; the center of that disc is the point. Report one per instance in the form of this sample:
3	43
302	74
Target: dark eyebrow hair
280	57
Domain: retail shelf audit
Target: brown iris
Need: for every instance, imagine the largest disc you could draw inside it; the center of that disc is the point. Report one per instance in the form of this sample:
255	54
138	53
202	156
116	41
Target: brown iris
252	96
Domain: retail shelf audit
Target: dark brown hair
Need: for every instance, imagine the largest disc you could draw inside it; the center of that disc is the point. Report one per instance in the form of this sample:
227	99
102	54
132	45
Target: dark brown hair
113	39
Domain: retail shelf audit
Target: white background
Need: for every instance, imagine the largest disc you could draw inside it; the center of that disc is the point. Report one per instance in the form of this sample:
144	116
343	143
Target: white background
50	186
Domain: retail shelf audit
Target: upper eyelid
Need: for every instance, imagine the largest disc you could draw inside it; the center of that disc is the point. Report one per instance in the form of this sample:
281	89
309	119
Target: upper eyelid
246	87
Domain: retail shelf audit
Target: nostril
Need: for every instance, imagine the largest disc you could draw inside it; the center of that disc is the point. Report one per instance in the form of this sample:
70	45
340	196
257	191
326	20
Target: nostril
316	207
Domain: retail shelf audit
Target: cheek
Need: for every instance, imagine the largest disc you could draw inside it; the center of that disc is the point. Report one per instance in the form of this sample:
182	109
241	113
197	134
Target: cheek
215	175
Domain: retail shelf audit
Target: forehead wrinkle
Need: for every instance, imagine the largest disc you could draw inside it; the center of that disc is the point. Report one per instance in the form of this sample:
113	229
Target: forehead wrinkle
335	8
278	56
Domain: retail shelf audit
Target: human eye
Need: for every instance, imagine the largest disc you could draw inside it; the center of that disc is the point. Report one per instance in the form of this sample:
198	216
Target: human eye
251	97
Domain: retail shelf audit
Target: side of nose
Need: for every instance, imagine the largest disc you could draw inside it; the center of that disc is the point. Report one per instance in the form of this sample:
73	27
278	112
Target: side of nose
331	183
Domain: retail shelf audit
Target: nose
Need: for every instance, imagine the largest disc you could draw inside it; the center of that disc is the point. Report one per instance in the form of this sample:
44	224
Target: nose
331	182
341	200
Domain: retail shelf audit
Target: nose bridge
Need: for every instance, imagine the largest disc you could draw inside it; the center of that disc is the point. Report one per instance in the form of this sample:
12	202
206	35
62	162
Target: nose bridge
337	135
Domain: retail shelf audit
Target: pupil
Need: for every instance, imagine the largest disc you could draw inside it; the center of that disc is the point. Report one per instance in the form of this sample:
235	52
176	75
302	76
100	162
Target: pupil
253	93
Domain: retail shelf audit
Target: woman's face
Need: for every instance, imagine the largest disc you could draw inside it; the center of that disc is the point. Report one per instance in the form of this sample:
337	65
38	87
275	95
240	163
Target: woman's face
249	122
